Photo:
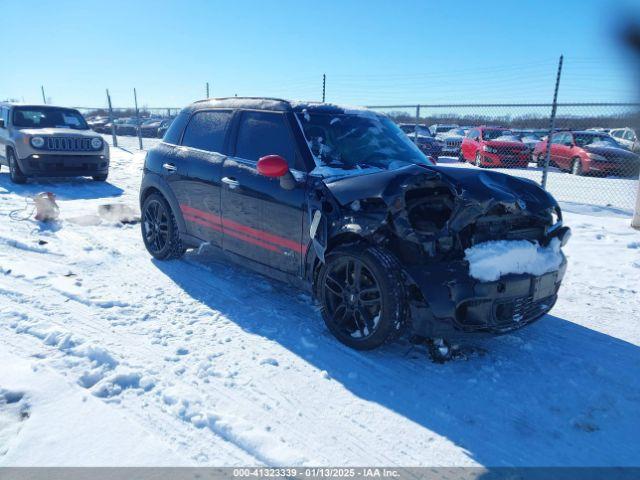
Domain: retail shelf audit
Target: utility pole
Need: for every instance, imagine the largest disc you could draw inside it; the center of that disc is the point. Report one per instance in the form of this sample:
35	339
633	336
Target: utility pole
207	89
44	99
111	119
324	84
552	125
135	101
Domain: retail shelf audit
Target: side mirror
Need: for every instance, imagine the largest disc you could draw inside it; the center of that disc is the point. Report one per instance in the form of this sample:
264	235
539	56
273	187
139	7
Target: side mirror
2	125
273	166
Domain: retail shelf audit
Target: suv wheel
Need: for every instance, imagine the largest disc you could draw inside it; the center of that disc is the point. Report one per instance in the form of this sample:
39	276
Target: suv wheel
159	229
461	157
362	296
100	178
15	173
576	167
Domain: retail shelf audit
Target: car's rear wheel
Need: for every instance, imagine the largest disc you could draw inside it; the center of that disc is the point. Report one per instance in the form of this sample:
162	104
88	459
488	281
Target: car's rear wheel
576	167
15	173
478	160
160	229
362	296
100	178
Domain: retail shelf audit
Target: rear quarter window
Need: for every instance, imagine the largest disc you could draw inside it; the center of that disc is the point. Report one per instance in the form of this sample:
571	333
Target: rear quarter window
207	130
174	132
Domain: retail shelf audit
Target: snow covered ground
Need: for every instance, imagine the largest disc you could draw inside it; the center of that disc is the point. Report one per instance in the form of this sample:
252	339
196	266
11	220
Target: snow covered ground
108	357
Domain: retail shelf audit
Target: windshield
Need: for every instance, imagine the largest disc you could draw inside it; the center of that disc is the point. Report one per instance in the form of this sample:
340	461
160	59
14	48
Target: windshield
457	131
48	117
492	134
585	140
352	141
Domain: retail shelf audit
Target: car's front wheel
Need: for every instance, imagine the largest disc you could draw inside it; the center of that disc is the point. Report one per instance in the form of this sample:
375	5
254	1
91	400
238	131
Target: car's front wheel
478	160
362	296
100	178
160	229
15	173
576	167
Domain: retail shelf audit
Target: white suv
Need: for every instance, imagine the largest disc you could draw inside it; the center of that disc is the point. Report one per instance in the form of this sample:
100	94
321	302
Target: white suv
627	138
48	141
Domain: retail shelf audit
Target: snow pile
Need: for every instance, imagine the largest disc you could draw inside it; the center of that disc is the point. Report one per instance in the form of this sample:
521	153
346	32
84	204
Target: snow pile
488	261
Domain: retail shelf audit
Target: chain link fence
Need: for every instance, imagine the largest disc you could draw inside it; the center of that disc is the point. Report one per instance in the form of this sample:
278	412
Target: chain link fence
591	158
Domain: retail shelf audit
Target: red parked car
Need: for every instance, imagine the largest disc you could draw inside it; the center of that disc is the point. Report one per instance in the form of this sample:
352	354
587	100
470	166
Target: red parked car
493	147
588	152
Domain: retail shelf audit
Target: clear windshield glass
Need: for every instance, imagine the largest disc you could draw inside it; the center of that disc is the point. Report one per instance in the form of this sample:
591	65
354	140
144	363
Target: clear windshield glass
48	117
494	134
358	141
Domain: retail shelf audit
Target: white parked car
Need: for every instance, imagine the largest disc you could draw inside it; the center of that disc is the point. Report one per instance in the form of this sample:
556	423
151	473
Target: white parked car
627	138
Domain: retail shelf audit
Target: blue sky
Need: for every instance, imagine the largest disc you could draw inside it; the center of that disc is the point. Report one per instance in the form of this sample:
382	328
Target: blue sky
373	52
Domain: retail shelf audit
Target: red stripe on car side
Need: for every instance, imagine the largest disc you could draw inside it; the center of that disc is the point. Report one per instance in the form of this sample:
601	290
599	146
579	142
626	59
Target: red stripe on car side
231	233
230	225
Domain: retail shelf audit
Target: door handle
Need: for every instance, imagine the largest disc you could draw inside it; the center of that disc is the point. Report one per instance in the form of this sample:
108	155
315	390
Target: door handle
169	167
232	182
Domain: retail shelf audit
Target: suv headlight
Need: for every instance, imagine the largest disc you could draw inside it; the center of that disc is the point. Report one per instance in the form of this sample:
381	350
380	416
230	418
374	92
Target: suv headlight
489	149
96	143
37	142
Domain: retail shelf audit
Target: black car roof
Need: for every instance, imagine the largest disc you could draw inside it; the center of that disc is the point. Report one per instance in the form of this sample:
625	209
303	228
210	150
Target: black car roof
272	104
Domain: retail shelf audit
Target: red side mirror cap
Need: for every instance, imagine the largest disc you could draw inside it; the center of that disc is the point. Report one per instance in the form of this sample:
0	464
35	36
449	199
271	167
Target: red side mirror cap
272	166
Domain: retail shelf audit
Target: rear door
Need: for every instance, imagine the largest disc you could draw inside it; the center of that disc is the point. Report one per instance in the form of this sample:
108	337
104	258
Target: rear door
204	143
261	220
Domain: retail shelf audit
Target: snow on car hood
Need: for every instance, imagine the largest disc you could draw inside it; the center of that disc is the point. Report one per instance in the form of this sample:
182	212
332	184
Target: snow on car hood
57	132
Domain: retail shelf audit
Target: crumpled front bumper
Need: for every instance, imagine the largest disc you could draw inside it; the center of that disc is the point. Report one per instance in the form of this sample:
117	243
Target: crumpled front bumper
454	302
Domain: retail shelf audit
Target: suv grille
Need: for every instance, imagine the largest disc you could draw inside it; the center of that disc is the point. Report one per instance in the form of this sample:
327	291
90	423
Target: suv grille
68	144
509	150
453	143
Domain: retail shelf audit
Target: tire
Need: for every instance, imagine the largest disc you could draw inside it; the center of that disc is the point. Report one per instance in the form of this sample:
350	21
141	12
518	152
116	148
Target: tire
159	229
540	160
576	167
15	174
100	178
478	161
461	157
351	303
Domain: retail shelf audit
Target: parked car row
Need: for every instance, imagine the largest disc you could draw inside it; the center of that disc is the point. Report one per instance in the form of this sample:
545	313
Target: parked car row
149	127
593	151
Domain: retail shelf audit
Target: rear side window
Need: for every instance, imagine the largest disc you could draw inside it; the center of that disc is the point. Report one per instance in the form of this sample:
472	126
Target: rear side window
263	133
174	132
207	130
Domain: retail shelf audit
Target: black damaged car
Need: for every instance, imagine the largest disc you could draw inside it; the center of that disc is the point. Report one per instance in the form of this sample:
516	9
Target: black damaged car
340	202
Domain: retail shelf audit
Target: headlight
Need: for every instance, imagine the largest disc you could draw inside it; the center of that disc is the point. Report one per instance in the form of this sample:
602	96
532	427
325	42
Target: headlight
96	143
37	142
489	149
595	156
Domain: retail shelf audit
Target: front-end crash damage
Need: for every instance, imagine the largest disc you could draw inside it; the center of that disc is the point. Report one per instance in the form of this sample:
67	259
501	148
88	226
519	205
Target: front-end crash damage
428	216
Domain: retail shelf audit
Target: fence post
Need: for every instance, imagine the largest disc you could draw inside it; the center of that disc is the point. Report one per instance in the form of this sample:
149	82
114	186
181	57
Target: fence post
44	99
552	126
635	223
324	84
135	101
207	89
111	120
415	131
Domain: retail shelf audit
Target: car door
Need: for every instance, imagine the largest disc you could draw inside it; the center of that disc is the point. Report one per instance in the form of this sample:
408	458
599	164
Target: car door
204	142
555	154
564	150
262	221
469	144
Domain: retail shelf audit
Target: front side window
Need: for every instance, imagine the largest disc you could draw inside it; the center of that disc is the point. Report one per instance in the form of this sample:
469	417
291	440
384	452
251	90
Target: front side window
357	141
207	130
265	133
48	117
473	134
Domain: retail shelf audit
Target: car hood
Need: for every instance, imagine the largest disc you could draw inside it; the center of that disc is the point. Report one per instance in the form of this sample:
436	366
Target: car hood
479	188
57	132
612	152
